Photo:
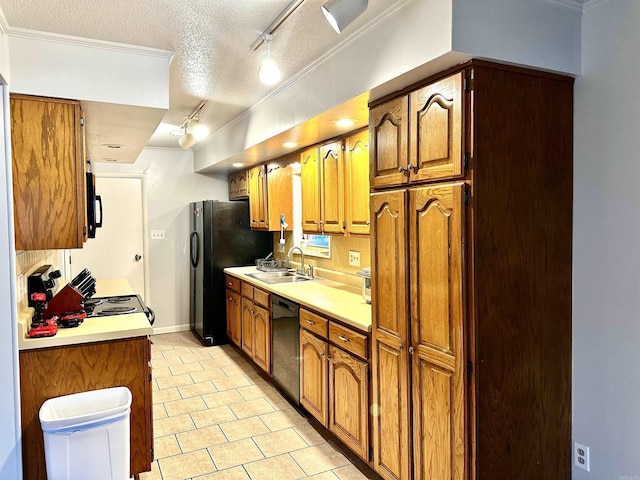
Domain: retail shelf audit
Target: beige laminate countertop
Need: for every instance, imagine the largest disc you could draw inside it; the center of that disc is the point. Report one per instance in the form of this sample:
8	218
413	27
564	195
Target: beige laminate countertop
98	329
333	299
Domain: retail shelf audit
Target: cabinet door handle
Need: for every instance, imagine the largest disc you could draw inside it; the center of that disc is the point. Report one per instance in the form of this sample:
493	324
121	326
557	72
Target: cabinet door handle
411	167
310	322
411	350
344	339
229	298
401	169
400	347
321	354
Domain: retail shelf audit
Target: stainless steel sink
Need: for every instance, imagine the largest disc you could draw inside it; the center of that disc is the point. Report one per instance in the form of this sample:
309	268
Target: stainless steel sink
279	277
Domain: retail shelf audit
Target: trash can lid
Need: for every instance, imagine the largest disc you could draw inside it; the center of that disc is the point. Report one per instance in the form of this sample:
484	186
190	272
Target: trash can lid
84	408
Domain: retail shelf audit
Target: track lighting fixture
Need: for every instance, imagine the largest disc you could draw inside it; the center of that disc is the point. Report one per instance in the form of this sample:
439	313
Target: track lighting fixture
268	69
193	129
340	13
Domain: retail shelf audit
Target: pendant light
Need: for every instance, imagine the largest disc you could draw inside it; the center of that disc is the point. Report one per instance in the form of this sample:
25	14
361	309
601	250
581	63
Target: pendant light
268	69
340	13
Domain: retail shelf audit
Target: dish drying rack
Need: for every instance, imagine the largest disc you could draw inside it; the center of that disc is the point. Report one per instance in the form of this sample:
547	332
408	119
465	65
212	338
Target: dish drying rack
273	265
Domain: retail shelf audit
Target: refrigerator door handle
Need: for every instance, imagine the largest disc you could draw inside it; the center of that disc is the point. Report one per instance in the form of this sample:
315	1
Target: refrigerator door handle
195	248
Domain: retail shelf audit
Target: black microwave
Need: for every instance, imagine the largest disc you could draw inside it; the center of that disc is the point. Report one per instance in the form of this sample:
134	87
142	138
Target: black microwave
94	204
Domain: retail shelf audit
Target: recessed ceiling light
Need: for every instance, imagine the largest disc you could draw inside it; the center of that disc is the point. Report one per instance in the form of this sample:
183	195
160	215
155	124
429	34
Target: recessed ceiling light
344	122
237	165
289	144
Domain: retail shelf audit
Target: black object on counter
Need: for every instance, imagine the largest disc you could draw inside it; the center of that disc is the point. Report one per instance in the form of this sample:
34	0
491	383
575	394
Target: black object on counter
43	280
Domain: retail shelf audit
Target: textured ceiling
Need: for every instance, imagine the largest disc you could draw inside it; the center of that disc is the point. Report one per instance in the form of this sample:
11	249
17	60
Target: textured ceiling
211	40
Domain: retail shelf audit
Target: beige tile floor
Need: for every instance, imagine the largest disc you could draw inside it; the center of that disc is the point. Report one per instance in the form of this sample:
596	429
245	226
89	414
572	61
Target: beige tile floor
216	418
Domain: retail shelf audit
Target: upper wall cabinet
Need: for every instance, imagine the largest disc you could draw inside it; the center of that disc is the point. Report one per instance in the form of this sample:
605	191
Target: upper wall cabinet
356	182
419	137
48	173
270	196
238	186
335	186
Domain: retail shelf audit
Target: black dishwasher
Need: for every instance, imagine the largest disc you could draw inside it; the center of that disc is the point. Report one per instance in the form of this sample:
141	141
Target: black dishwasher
285	346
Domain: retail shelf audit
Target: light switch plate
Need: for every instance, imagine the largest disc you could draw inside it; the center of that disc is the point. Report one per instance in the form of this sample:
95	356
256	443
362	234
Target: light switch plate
354	258
157	234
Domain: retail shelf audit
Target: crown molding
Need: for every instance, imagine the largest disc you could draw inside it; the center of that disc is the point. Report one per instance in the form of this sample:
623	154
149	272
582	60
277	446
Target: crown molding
4	26
589	4
88	43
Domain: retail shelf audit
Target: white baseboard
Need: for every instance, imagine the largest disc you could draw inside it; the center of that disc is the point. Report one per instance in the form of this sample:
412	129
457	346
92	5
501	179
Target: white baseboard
174	328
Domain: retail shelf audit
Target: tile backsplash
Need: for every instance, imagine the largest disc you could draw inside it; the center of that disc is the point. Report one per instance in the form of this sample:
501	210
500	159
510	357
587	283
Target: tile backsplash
26	263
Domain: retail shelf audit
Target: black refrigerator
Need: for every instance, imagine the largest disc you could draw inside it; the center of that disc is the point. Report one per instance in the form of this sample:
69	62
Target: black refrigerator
220	237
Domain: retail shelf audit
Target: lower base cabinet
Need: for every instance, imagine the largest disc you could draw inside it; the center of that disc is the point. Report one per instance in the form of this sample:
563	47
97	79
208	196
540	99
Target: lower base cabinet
334	383
52	372
252	322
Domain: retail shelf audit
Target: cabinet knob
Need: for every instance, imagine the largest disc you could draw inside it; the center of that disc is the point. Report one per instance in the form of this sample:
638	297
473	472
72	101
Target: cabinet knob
401	169
411	350
400	347
412	167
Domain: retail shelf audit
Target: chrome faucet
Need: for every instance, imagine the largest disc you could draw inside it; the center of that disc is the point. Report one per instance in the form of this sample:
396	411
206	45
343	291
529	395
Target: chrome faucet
300	270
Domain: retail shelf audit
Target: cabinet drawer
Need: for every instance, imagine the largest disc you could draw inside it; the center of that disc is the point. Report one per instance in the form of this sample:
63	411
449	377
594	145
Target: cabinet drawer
247	290
233	283
314	323
349	340
261	298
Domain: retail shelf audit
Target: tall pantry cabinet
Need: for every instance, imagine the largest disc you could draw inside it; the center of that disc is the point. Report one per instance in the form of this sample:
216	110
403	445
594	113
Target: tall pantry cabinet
471	214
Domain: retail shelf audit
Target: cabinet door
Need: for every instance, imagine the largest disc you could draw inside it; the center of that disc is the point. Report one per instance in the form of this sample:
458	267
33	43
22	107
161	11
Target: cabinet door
388	129
48	173
248	326
310	189
349	401
390	363
279	197
356	167
234	317
257	198
314	396
242	185
436	130
262	338
332	188
436	252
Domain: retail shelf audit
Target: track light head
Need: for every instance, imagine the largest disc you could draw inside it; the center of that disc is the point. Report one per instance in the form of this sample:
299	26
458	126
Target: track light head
340	13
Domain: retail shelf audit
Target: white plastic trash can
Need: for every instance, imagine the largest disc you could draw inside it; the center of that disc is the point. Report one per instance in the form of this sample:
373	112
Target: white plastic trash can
86	435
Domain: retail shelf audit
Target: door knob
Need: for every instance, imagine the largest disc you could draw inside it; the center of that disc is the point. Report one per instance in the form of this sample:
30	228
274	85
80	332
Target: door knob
138	258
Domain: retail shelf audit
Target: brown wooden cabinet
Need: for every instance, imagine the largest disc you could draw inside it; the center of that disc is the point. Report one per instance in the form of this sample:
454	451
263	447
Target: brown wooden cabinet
334	382
335	187
48	161
434	138
332	188
238	185
471	276
51	372
314	376
234	310
310	187
270	196
356	183
256	325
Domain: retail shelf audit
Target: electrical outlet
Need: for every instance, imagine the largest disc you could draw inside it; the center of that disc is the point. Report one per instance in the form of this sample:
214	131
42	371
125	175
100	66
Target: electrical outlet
581	456
354	258
157	234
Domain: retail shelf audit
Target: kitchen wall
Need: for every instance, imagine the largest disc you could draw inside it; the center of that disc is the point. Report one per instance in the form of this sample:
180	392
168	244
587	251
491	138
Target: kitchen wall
606	276
339	260
170	185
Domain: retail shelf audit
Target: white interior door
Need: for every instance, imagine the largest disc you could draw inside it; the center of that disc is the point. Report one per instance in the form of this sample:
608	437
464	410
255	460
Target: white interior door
118	251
